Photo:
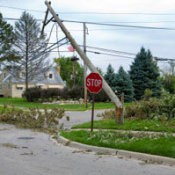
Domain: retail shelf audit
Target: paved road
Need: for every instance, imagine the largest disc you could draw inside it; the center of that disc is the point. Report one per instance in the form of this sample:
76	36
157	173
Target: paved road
79	117
24	152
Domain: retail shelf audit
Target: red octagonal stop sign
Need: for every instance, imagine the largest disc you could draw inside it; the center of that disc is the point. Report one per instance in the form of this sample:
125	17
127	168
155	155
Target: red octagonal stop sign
94	82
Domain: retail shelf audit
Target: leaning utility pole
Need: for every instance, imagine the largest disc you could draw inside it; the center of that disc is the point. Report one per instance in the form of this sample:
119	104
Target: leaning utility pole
85	67
84	57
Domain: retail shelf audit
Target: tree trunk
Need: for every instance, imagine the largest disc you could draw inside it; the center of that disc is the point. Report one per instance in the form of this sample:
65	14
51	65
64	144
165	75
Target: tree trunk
26	63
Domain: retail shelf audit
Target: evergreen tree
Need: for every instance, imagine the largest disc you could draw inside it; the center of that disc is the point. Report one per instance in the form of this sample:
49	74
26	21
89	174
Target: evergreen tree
31	47
110	77
144	74
6	40
124	84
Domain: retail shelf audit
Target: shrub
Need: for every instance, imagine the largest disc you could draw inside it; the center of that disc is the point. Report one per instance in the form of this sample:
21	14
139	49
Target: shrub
151	108
168	106
132	110
76	92
143	109
32	94
64	94
100	97
38	94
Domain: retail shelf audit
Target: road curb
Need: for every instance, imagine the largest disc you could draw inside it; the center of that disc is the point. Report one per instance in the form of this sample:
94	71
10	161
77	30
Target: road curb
147	158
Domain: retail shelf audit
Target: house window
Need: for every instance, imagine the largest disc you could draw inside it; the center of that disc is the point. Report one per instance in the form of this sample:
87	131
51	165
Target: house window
50	76
19	88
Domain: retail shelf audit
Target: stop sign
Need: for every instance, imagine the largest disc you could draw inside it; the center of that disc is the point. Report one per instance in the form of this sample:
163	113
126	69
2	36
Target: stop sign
94	82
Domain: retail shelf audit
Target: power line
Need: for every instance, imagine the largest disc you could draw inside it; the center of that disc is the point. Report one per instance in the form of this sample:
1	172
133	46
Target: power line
110	50
22	9
102	29
94	13
138	22
109	24
108	54
16	19
113	51
124	54
120	25
119	13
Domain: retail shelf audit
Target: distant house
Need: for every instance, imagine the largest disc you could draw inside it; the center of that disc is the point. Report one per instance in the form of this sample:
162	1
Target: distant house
12	83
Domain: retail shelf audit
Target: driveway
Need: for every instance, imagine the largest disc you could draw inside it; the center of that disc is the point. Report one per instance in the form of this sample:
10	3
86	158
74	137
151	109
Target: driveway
25	152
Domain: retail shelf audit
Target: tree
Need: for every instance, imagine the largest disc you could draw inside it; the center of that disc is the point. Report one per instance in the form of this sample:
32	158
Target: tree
100	71
70	71
168	78
6	40
110	77
124	84
144	74
168	83
31	47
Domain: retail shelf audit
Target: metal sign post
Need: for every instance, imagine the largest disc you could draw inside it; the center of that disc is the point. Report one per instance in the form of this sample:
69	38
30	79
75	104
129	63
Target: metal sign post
94	84
92	114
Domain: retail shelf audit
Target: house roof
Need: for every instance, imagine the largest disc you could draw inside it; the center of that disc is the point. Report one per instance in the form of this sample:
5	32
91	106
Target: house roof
39	79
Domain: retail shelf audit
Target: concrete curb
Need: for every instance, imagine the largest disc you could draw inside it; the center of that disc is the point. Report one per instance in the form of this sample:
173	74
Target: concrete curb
147	158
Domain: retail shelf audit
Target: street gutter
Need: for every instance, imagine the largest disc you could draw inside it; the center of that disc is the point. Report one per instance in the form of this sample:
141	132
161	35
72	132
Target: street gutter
147	158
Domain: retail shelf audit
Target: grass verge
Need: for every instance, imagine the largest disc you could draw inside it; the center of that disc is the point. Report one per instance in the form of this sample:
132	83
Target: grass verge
132	124
144	144
22	103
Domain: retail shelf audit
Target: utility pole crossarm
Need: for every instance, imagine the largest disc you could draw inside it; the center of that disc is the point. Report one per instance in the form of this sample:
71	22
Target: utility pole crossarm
84	57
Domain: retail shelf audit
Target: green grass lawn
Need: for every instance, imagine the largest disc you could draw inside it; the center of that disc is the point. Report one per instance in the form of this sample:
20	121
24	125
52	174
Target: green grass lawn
161	144
134	124
157	145
21	102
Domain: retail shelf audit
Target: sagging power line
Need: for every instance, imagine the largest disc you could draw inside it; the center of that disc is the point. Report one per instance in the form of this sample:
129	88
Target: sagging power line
94	12
110	24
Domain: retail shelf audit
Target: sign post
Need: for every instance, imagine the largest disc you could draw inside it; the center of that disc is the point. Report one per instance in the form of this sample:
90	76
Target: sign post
94	84
92	113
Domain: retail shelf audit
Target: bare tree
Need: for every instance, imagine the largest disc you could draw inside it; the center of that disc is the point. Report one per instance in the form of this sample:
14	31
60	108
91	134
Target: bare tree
31	48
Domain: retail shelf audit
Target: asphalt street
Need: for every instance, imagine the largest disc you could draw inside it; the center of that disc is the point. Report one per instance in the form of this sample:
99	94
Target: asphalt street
78	117
25	152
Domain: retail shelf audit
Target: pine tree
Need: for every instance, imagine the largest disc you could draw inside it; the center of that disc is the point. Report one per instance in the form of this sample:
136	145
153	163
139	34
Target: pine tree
144	74
31	47
6	40
124	84
110	77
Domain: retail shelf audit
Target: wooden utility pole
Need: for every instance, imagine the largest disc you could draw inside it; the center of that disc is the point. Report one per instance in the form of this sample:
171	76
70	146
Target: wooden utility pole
120	111
84	57
85	67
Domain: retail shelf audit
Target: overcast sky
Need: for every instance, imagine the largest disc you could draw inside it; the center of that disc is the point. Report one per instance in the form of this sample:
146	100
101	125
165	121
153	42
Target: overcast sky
147	13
